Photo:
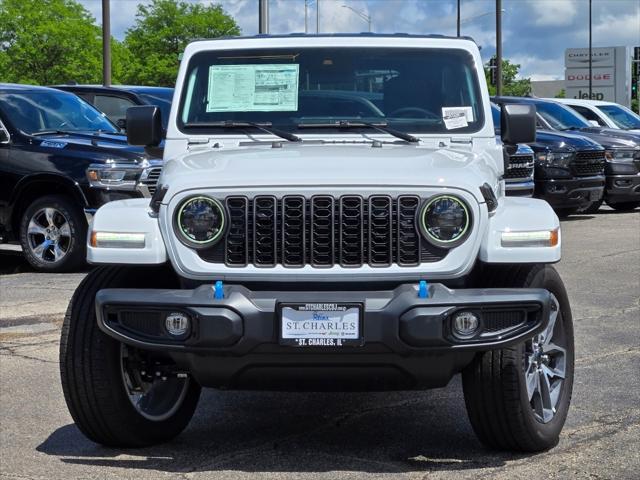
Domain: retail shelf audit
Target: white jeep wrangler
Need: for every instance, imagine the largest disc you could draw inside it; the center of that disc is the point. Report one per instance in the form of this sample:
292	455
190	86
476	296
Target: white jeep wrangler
332	215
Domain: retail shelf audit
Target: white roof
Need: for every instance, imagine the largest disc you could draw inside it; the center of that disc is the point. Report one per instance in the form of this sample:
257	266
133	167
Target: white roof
579	101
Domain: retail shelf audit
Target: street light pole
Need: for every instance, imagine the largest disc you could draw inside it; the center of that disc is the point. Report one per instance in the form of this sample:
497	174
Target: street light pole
458	18
263	16
590	56
106	44
498	47
317	16
362	15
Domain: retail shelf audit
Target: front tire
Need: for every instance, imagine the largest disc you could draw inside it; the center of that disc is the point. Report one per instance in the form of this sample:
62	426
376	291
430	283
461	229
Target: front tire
111	400
591	208
52	234
518	397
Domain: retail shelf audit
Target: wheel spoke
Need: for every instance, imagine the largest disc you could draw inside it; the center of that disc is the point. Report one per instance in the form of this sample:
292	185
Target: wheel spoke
49	214
36	229
58	253
65	231
531	381
40	250
546	402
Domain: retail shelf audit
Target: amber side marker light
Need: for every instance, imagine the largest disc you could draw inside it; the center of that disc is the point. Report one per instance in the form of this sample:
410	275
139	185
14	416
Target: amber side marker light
117	240
537	238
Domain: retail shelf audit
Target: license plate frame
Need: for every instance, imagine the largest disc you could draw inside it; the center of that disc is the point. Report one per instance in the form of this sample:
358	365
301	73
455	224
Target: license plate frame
319	341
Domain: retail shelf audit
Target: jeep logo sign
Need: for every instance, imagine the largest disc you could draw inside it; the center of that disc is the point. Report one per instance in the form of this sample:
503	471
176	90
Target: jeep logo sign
611	74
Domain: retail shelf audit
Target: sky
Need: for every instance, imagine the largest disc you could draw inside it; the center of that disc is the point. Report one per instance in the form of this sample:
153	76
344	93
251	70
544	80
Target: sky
535	33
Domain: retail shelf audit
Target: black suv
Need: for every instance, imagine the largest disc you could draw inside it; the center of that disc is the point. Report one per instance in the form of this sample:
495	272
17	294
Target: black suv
622	168
61	159
569	168
114	101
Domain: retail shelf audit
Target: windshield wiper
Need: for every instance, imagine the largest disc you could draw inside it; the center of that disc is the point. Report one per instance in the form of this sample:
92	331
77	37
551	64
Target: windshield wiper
50	132
265	127
381	127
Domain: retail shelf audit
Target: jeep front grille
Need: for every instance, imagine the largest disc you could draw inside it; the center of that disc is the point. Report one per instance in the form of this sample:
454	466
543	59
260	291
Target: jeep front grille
588	162
322	231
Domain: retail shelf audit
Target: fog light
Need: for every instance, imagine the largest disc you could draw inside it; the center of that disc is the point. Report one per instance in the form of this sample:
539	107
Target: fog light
465	324
177	324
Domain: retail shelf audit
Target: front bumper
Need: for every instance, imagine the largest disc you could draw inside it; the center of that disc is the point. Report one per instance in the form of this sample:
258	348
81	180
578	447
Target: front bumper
407	340
520	188
575	192
623	188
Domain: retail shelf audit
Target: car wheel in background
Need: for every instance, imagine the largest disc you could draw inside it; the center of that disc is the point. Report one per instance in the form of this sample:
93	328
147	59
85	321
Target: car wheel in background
52	234
591	208
565	212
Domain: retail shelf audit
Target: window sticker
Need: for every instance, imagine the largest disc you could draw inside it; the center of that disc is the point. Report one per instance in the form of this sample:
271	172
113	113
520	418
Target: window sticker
253	88
456	117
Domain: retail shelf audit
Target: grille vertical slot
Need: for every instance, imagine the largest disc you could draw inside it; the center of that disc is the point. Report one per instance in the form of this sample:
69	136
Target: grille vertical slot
409	240
294	251
322	231
237	241
380	230
265	235
351	225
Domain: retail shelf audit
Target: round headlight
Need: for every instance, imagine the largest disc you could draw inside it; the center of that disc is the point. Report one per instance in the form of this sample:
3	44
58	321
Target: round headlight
200	221
445	221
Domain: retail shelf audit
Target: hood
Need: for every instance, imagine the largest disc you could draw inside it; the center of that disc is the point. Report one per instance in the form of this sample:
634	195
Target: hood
100	147
330	165
559	141
610	137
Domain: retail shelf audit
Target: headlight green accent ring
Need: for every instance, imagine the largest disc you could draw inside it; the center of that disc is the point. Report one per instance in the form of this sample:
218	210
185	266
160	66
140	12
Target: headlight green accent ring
424	228
185	237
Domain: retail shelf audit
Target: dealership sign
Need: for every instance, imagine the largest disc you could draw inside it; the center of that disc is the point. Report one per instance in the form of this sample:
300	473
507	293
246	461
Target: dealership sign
610	74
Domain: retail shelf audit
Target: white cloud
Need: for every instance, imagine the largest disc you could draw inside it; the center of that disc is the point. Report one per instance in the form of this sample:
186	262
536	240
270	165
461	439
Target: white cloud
613	30
554	13
538	68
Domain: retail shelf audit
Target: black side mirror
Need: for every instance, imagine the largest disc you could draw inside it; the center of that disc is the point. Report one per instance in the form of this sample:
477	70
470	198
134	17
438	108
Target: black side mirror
517	123
121	123
144	125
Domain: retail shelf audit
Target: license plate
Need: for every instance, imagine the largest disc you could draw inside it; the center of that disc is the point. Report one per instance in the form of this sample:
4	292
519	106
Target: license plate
321	324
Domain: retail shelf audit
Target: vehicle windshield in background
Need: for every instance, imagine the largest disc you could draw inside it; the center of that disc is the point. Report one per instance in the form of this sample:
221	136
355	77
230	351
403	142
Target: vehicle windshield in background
40	112
622	117
561	117
161	98
412	90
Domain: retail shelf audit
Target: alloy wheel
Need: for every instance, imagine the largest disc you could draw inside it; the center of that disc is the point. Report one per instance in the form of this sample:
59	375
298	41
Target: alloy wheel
545	366
49	235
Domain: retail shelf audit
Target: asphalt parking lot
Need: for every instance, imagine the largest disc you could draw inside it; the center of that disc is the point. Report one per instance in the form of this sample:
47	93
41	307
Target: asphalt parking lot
381	435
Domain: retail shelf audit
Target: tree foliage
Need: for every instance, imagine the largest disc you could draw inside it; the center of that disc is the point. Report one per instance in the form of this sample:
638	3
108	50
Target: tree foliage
48	42
511	85
162	30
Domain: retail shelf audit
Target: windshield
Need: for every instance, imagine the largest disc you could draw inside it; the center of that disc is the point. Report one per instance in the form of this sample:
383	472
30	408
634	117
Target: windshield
622	117
33	112
561	117
411	90
161	98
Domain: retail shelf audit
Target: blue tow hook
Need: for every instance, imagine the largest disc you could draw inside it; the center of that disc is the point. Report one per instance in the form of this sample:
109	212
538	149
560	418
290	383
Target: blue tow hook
218	290
423	289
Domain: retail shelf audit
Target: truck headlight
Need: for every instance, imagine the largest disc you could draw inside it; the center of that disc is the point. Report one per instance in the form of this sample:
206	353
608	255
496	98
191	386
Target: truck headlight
200	221
445	221
621	155
113	176
559	159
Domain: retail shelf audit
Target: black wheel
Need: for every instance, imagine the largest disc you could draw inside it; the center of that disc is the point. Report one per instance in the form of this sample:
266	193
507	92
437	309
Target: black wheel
591	208
565	212
518	397
52	234
624	206
113	392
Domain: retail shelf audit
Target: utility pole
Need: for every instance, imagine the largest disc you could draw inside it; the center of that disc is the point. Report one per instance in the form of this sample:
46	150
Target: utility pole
306	14
499	47
458	18
317	16
263	16
106	44
590	57
362	15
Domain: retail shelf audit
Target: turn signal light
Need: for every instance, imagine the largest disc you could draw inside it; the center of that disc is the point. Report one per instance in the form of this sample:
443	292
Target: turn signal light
117	240
539	238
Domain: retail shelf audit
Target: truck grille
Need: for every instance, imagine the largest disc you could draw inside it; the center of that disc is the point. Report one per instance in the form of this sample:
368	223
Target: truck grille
590	162
520	166
150	178
322	231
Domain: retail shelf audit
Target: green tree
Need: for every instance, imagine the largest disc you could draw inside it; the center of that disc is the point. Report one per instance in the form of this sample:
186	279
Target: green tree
48	42
561	94
511	85
162	30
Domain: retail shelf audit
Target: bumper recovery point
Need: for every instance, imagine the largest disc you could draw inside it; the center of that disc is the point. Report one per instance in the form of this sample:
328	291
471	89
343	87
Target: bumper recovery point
404	320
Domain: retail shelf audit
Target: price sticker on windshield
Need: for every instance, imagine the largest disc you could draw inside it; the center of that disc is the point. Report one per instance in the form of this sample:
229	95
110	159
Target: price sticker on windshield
456	117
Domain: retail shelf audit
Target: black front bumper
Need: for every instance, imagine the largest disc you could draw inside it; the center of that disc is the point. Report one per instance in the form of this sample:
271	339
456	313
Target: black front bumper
407	340
622	188
573	192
